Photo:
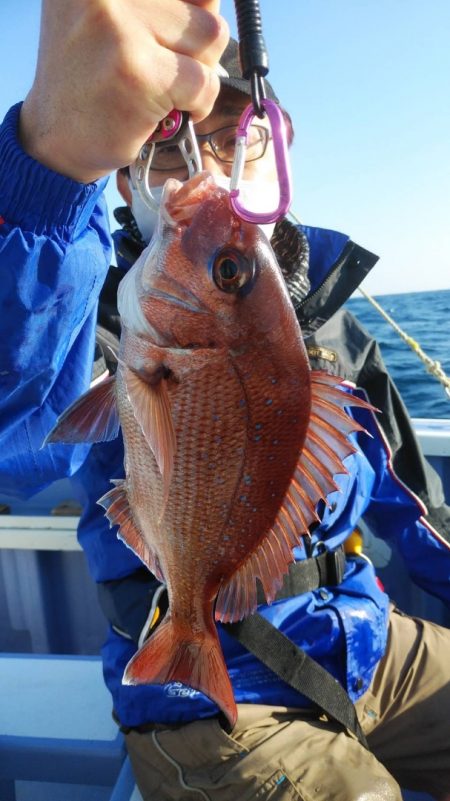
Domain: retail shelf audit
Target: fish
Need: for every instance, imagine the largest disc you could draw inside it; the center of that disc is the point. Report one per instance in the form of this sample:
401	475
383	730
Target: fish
230	438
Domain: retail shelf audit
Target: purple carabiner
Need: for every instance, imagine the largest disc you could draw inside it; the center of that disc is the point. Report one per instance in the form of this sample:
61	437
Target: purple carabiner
281	160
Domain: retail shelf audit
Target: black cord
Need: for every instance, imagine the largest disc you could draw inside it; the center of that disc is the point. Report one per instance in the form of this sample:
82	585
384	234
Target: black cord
252	49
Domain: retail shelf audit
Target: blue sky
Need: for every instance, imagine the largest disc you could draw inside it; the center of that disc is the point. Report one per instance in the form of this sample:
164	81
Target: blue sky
367	83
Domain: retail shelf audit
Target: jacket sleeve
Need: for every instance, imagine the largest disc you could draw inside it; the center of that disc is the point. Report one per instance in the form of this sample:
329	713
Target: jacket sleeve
407	505
54	255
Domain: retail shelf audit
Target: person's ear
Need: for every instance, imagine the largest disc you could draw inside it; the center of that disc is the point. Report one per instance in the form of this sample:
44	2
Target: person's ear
123	185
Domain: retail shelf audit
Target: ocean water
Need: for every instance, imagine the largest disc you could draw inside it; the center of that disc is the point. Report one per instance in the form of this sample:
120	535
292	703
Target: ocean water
424	316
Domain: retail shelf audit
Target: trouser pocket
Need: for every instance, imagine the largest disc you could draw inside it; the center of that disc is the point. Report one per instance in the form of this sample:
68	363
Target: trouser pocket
278	787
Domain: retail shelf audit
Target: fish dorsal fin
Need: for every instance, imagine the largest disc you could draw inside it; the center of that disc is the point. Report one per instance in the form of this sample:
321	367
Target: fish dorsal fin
151	407
325	446
119	513
91	418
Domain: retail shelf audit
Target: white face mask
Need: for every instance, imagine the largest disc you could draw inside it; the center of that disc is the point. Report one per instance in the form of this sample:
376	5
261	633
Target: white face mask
255	195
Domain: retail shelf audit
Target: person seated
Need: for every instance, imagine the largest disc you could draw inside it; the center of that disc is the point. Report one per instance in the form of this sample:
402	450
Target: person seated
105	78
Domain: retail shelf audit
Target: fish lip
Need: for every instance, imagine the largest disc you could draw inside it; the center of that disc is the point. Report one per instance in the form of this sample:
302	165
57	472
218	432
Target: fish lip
177	299
212	346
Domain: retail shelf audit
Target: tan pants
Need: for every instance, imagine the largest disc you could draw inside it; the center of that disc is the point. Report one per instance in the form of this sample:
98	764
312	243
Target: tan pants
280	754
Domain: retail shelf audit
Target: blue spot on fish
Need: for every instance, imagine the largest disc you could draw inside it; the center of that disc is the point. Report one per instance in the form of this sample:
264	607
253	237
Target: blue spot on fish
269	401
247	479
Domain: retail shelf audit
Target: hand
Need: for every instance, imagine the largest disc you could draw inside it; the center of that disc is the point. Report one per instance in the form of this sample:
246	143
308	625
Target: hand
109	70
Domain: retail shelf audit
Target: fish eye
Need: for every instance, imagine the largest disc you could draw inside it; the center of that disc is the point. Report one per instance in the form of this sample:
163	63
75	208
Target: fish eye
231	270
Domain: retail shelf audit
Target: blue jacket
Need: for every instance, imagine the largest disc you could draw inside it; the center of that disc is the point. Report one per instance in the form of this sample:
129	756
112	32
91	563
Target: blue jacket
54	256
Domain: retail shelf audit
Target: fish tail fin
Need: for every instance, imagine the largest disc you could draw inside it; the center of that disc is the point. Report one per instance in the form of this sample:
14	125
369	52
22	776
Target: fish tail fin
173	653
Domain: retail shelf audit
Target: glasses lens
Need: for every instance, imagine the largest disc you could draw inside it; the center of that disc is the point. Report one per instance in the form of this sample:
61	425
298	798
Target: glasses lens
167	157
223	143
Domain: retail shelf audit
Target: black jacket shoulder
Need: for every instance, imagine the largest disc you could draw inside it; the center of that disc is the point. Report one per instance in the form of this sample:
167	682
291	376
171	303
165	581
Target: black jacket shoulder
344	347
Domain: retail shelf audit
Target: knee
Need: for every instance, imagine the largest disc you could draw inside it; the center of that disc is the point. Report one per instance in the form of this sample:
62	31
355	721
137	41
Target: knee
382	790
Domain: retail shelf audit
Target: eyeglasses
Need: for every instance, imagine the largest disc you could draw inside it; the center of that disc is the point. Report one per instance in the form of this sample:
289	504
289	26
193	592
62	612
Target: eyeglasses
222	143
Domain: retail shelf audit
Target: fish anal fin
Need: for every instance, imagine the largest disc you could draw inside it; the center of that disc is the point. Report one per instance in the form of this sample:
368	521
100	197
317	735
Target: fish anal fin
175	653
151	407
269	562
91	418
119	513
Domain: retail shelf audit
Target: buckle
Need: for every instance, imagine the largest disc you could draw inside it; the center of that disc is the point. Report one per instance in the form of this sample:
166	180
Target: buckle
335	566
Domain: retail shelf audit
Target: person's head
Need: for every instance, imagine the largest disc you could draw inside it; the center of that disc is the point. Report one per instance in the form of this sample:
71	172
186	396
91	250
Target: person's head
216	142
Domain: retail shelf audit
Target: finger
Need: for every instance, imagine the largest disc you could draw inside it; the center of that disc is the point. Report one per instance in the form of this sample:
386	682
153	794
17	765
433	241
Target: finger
204	88
210	5
184	27
183	83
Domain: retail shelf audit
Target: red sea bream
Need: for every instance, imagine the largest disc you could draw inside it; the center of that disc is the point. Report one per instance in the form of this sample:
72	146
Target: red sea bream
230	439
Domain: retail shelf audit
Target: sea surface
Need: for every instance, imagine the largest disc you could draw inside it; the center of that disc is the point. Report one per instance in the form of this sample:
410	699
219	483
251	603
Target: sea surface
424	316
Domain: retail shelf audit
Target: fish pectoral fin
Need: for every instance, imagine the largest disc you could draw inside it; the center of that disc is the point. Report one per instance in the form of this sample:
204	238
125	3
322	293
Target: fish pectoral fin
91	418
118	512
149	398
325	447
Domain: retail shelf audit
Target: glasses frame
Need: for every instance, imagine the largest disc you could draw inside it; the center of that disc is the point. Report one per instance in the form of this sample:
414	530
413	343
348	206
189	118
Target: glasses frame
208	138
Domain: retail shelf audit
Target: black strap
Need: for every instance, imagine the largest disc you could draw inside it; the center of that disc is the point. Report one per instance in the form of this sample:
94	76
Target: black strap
298	670
126	601
325	570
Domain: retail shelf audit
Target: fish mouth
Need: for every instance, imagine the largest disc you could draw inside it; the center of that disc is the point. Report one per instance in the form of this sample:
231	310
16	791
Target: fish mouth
180	201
